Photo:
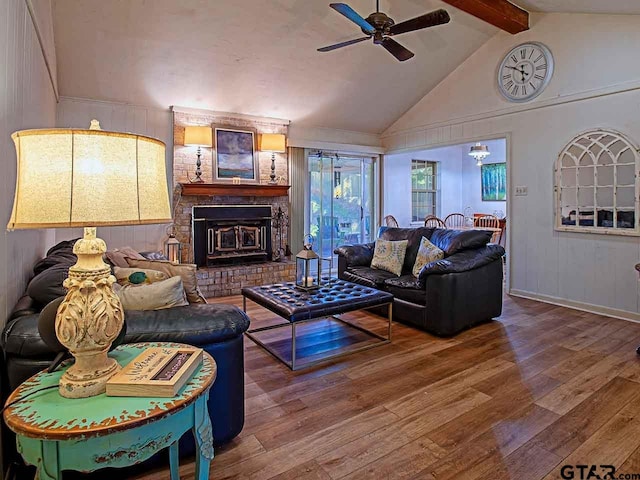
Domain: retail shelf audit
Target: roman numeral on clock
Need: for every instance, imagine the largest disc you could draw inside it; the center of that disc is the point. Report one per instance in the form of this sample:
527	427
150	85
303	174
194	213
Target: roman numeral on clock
515	60
538	76
516	89
508	85
542	67
523	54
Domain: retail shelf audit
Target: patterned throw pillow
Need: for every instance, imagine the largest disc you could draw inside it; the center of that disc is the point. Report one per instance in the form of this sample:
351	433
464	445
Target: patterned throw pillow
427	253
389	256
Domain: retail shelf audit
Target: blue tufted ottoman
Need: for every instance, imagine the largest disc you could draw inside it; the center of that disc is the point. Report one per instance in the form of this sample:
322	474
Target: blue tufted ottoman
297	306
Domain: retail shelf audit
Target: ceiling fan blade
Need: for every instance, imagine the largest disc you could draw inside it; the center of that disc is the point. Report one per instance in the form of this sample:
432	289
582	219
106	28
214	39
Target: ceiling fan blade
352	15
343	44
437	17
397	50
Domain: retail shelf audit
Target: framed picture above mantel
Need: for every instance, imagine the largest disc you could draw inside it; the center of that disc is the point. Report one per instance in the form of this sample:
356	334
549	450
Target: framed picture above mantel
236	158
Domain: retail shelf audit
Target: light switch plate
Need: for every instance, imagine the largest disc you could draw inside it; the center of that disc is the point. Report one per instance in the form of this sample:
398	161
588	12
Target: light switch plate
521	191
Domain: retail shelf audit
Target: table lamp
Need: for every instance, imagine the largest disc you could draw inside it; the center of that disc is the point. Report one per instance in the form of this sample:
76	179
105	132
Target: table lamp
88	178
274	143
198	137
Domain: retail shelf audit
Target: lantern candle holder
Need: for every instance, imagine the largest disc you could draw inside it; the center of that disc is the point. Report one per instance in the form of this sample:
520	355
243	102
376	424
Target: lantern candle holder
308	266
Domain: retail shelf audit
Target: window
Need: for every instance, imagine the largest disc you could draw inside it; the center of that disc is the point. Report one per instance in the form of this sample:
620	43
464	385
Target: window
596	184
423	189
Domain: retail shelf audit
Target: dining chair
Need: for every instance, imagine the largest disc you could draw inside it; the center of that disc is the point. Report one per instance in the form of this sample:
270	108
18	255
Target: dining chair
454	220
390	221
489	221
433	222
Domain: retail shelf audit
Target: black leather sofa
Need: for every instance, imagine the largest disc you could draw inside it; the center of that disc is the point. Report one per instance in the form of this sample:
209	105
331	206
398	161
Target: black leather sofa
216	328
449	295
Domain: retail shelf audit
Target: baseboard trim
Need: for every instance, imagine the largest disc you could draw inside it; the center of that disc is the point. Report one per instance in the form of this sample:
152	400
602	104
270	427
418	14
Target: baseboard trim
585	307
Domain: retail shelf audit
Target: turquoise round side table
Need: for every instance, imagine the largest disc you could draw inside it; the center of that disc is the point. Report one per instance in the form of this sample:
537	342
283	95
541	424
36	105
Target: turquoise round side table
86	434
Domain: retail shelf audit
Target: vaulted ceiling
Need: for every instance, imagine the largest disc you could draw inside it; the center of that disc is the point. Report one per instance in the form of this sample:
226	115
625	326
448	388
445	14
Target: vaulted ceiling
259	56
256	57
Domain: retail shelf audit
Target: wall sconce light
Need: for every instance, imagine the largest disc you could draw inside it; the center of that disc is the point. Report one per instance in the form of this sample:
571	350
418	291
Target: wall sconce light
274	143
198	137
479	152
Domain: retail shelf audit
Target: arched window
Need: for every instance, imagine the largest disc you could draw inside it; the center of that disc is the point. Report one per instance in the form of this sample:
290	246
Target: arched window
597	184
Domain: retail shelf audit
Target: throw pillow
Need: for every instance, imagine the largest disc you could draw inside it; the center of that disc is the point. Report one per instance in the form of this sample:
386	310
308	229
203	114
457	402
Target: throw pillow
155	296
129	276
119	256
389	256
186	271
427	253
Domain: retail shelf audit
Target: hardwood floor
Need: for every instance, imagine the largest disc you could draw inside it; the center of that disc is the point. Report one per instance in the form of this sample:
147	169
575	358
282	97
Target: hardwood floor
517	398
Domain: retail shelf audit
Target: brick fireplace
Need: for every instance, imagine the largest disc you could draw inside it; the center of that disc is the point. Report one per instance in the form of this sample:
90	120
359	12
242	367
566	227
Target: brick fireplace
228	229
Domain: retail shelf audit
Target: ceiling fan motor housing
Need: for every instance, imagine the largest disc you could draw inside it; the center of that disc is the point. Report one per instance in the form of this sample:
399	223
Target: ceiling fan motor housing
380	21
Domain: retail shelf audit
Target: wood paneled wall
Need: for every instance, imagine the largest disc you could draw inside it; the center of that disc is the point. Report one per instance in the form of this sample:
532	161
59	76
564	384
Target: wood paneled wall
157	123
27	100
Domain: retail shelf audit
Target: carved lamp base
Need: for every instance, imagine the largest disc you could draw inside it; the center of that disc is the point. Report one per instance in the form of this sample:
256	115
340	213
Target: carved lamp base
89	319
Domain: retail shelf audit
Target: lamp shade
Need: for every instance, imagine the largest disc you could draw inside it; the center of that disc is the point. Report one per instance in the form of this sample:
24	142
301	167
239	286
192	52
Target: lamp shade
272	142
77	178
197	137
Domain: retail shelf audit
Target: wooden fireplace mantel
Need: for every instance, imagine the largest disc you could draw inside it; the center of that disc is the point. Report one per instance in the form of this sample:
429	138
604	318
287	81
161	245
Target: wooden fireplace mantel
241	190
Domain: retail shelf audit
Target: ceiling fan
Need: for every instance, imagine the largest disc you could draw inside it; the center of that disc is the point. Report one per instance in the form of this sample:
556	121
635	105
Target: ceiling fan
381	28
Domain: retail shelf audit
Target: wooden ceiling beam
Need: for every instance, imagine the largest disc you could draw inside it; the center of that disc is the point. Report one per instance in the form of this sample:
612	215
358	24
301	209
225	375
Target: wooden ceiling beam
500	13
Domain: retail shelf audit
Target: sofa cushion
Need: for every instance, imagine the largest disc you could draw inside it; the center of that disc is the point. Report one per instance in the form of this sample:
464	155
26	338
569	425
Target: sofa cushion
389	256
60	253
185	270
427	253
453	241
152	296
119	256
413	237
367	276
47	285
357	255
195	325
134	276
406	287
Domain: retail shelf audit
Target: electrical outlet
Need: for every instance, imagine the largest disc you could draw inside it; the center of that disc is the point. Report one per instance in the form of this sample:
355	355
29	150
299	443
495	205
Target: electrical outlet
521	191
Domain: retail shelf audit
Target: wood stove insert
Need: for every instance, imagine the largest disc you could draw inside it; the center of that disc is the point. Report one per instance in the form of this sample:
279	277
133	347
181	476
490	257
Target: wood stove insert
231	234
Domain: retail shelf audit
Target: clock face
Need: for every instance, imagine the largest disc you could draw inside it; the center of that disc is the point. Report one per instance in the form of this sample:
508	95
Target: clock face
525	72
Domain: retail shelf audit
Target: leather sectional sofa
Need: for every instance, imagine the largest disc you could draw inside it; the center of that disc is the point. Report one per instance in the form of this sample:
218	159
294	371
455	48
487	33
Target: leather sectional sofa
449	295
216	328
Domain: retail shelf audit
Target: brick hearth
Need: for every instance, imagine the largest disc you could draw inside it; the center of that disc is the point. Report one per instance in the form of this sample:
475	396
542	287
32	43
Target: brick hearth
229	280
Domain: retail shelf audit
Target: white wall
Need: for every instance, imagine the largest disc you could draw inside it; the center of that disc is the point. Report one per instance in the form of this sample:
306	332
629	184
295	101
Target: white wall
472	191
594	85
157	123
27	100
458	180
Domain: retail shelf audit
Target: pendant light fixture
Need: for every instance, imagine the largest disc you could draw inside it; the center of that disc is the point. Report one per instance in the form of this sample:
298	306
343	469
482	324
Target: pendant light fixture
479	152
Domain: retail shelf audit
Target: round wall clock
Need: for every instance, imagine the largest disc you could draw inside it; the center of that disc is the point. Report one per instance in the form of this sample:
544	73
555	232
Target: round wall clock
525	71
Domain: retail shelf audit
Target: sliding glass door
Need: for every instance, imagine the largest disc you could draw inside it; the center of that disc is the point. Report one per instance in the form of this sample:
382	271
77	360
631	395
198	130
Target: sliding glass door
341	200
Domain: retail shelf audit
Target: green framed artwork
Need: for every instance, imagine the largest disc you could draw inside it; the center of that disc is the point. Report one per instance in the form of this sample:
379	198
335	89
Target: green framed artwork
494	182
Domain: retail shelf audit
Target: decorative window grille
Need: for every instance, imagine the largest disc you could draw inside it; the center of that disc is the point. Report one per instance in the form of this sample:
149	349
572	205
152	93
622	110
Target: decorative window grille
596	184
